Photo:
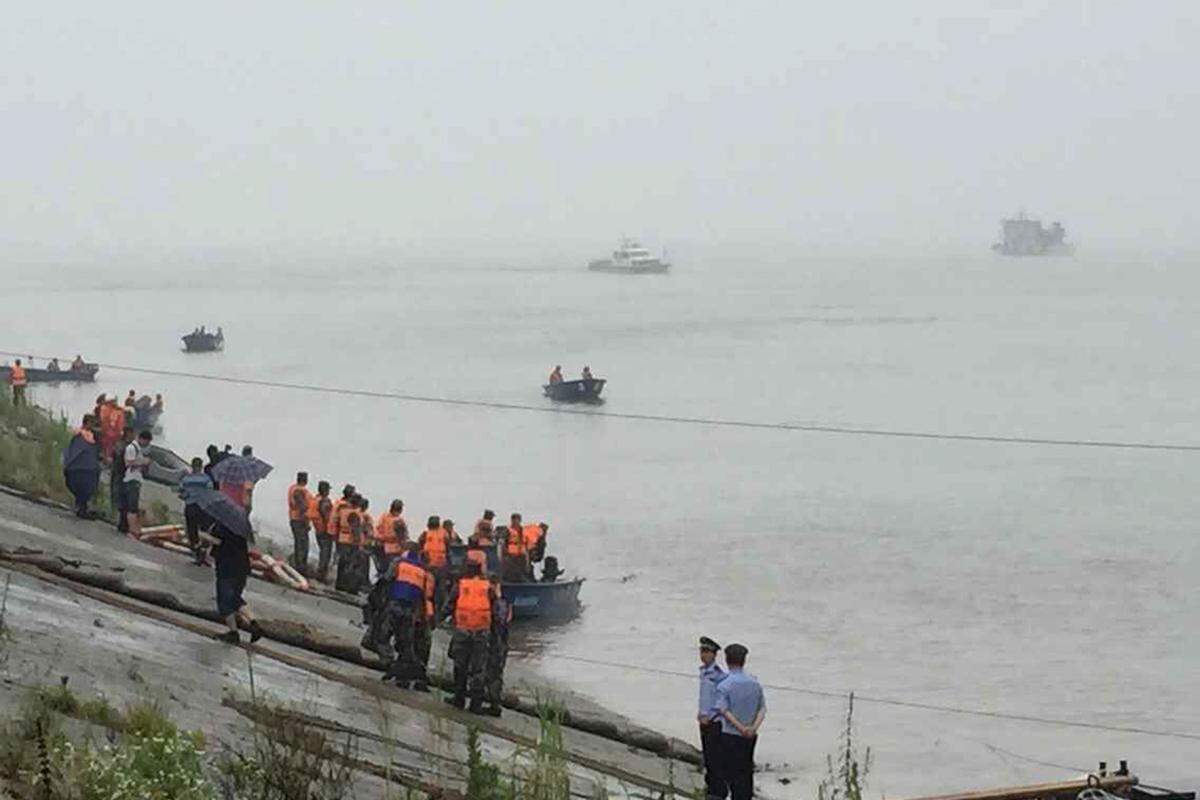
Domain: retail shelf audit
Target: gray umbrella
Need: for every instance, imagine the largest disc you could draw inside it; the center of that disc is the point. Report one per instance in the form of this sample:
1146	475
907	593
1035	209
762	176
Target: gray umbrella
241	469
222	509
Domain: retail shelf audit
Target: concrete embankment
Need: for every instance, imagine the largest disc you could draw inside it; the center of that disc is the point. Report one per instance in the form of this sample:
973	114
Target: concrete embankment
99	608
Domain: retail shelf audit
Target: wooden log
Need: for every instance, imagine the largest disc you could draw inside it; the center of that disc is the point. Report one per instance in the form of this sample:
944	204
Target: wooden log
1113	784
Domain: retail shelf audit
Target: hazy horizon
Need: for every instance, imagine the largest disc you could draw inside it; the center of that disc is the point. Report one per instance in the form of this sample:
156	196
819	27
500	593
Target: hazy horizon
548	128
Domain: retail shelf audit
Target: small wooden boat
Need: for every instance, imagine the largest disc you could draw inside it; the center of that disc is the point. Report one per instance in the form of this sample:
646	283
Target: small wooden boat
581	391
85	374
545	601
204	342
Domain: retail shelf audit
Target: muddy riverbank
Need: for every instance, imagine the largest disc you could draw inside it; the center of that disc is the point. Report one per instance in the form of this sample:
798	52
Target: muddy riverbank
125	620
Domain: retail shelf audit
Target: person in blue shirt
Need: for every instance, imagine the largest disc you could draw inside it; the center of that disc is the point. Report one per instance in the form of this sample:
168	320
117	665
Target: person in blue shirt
193	516
742	707
709	718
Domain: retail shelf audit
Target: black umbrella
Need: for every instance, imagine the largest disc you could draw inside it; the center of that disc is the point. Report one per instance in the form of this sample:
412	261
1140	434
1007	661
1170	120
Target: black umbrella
222	509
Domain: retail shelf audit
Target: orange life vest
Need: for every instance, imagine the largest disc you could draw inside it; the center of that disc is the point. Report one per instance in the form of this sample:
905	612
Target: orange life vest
531	535
17	376
297	512
437	545
415	574
479	557
347	533
516	542
320	521
367	527
385	533
473	608
335	516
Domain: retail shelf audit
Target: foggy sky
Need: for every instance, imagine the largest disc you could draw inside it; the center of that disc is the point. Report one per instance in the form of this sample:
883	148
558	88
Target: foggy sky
548	124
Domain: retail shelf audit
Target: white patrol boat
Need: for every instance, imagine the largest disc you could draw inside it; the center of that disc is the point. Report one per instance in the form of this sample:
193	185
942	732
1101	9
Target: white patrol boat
630	258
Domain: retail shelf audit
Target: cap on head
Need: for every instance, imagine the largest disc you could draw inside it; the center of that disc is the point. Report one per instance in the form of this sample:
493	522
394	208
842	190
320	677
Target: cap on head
301	477
735	654
709	645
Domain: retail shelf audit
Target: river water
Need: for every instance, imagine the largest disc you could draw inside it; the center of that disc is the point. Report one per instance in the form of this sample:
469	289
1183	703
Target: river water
1048	581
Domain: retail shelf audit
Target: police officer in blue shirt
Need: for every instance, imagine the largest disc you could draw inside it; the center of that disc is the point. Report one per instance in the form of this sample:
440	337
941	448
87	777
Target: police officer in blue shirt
743	708
709	718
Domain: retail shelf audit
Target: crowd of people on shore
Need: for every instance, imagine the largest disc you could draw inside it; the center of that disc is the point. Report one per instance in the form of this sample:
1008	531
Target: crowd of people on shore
418	585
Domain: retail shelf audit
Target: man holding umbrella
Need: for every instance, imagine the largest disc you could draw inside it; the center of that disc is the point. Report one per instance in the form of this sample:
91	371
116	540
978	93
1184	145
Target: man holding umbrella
230	532
235	473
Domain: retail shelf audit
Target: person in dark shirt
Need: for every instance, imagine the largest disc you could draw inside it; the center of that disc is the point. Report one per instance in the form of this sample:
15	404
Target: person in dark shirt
232	557
116	480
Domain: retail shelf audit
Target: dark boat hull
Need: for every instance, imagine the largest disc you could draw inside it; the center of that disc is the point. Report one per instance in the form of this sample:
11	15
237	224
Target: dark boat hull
203	343
85	375
583	391
531	600
546	601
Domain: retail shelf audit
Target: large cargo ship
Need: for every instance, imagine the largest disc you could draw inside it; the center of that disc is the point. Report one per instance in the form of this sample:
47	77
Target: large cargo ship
1023	236
631	259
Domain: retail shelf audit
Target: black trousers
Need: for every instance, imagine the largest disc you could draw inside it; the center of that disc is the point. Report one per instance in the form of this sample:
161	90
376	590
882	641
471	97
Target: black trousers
300	545
715	785
324	555
347	573
737	765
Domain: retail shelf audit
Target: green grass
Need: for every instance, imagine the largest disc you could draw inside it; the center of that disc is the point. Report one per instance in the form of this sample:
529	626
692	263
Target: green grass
31	446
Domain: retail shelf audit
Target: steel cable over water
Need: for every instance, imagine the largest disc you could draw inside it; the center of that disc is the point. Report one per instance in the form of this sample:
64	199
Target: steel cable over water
736	424
681	420
888	701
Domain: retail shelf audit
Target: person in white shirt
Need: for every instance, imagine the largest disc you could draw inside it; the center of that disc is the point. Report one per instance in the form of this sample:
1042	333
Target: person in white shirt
136	462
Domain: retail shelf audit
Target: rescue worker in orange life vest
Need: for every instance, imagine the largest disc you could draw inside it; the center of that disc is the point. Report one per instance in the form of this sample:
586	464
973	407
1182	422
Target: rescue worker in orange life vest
515	562
366	543
319	513
18	379
410	598
471	606
349	539
435	547
556	376
299	500
497	649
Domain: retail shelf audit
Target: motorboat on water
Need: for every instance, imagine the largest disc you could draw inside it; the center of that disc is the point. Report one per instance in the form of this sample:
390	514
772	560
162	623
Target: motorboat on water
547	600
631	258
202	341
82	374
586	390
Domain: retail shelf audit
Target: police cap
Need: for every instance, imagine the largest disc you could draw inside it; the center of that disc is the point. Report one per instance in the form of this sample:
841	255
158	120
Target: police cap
709	645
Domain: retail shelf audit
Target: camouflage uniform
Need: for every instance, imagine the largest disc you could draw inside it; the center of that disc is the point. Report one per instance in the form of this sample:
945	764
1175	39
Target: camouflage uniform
469	651
497	653
407	665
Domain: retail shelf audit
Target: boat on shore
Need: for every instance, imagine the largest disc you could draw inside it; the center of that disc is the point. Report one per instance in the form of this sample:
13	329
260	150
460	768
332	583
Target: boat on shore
581	391
201	341
545	600
84	374
630	258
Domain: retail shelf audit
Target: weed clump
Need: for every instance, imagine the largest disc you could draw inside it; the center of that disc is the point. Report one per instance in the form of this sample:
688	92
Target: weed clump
846	772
